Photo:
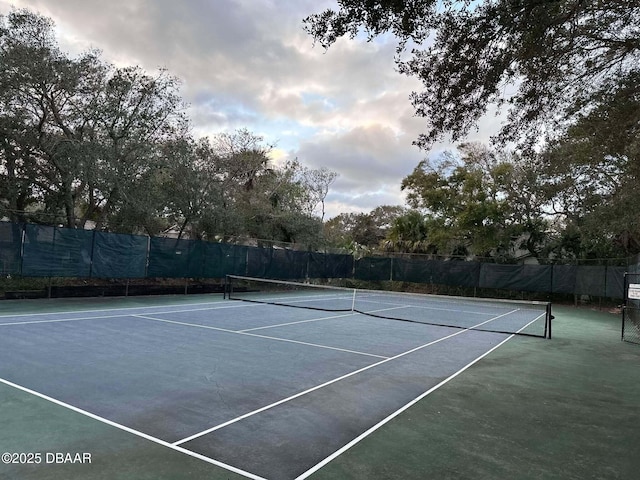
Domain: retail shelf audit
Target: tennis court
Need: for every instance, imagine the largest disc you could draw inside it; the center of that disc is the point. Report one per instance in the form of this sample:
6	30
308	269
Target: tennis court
257	389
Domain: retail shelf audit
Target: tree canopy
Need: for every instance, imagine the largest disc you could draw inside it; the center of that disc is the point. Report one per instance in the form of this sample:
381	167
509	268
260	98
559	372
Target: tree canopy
358	232
480	202
546	61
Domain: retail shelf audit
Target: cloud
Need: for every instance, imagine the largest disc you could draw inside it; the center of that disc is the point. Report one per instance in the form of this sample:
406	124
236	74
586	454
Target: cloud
371	160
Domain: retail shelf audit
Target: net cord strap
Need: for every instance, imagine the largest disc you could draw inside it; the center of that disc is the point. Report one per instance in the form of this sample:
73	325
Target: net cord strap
493	301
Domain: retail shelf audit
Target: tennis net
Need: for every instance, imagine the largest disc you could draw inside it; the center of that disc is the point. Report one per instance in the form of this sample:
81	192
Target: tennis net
491	315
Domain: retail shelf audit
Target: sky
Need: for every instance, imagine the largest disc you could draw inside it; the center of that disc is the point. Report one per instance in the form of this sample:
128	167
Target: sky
249	64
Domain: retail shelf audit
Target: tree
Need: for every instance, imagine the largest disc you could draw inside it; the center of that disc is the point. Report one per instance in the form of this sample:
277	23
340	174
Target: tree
188	176
591	173
136	114
244	178
410	234
236	191
79	134
317	183
282	207
480	202
384	216
338	230
543	59
363	229
43	119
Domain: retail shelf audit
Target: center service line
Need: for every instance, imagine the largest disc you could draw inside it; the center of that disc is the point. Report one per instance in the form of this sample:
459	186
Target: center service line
317	387
255	335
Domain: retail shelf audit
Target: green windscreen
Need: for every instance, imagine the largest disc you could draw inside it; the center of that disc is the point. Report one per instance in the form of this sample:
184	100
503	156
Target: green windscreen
56	252
170	257
119	256
10	248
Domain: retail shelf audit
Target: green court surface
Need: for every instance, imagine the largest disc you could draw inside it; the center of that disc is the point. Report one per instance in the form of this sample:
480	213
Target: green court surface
541	409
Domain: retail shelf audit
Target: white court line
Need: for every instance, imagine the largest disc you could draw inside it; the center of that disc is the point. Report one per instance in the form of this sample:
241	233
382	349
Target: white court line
289	299
316	345
425	307
258	336
219	305
132	431
360	437
175	322
316	319
317	387
102	310
55	320
296	322
58	320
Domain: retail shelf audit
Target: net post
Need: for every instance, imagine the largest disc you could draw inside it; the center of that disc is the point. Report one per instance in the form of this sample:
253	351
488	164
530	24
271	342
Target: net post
547	326
353	300
225	288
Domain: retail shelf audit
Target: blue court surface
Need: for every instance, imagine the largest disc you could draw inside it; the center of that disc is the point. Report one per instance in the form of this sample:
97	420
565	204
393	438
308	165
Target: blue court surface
262	390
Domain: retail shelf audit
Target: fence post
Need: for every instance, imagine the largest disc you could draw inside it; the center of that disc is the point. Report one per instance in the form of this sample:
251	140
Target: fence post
93	249
624	304
146	263
23	238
